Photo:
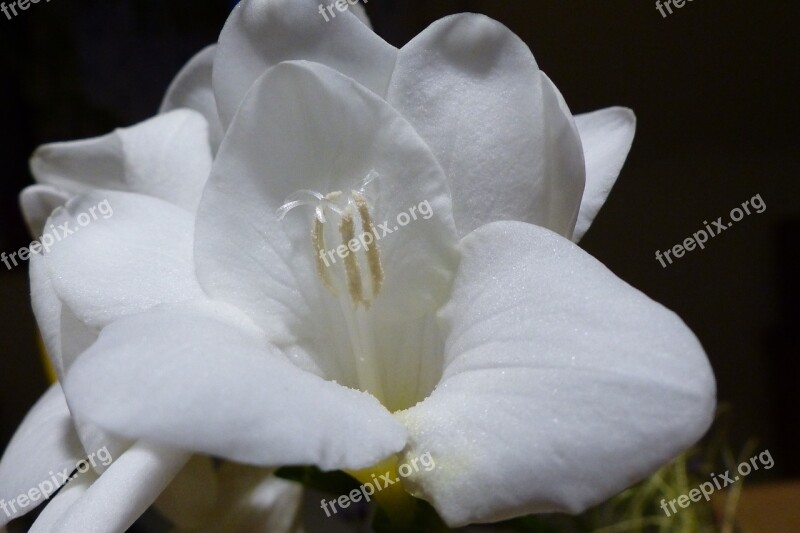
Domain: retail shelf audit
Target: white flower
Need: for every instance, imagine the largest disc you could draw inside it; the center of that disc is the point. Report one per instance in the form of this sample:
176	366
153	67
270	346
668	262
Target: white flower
200	320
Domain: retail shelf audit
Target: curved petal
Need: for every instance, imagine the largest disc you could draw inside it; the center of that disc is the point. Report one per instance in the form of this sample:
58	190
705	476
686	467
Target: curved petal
137	256
191	497
566	168
89	278
65	338
607	136
307	127
198	380
255	500
51	515
563	384
47	308
473	91
259	34
192	89
168	157
124	491
37	203
64	335
44	443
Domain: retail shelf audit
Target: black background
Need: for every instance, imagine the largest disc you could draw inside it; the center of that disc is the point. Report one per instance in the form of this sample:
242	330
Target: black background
714	86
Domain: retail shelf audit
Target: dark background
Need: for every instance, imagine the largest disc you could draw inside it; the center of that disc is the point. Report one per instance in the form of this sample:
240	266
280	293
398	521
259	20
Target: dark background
714	86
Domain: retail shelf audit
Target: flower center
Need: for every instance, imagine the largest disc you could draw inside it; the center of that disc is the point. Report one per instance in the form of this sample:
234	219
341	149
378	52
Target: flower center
351	271
362	278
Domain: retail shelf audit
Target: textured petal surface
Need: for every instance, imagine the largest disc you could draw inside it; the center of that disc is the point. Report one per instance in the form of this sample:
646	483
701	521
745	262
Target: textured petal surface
473	91
607	136
45	442
89	277
65	338
64	335
168	157
260	34
207	382
138	256
124	491
563	384
192	89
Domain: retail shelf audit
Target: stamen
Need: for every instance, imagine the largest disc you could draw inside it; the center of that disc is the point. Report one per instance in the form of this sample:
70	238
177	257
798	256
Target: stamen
333	196
347	279
373	251
318	242
354	286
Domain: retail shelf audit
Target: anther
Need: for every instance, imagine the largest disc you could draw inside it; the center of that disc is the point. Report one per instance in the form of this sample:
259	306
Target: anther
372	250
352	270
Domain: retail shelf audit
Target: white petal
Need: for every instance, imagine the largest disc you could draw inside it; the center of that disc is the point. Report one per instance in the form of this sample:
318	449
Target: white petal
260	34
124	491
47	309
75	337
607	136
191	497
51	515
255	500
473	91
304	126
45	442
192	89
202	382
168	157
66	337
37	203
563	384
137	257
566	169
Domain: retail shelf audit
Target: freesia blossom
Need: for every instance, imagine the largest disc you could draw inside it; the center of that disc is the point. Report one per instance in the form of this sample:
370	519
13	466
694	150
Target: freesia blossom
202	318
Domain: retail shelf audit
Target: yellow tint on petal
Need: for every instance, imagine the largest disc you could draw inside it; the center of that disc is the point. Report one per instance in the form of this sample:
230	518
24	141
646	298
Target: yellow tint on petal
49	371
394	499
